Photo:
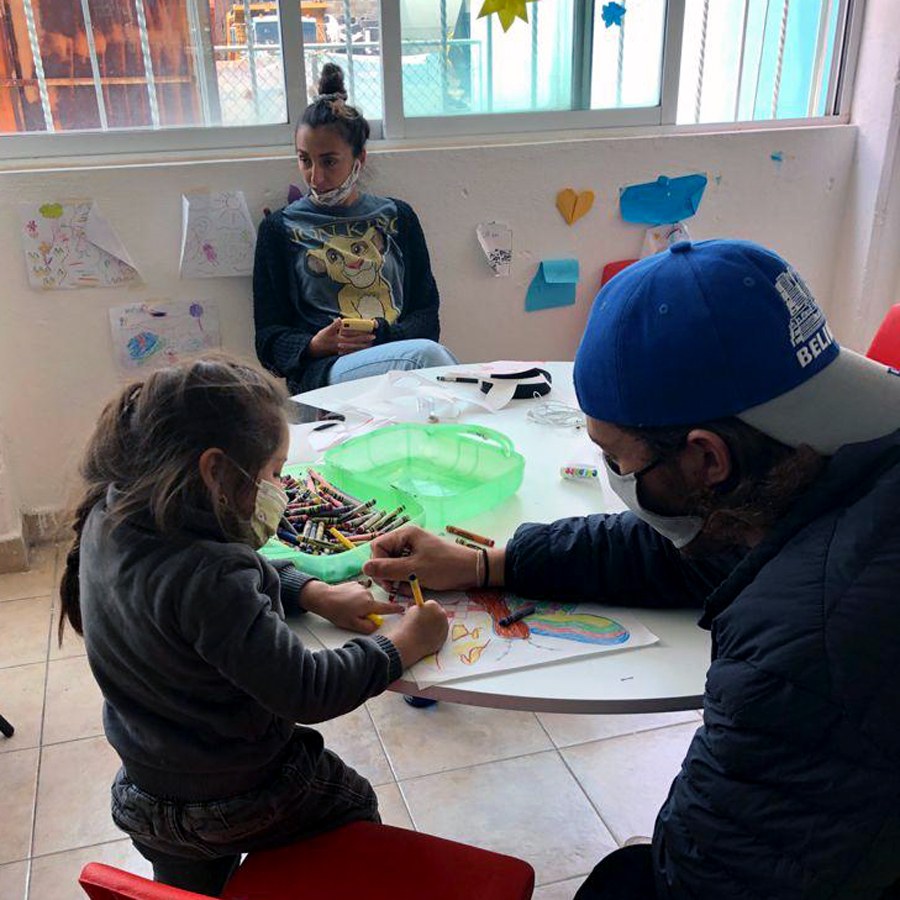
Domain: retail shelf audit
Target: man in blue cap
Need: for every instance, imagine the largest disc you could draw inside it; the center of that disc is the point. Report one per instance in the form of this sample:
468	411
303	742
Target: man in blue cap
760	462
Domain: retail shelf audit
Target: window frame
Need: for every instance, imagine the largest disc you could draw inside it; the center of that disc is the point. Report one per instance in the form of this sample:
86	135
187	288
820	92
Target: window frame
395	126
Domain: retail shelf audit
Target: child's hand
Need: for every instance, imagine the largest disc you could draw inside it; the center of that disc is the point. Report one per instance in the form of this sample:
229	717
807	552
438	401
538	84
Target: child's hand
421	631
346	605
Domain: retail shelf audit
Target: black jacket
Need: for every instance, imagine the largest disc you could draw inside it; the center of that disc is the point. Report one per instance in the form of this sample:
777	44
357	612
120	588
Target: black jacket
791	788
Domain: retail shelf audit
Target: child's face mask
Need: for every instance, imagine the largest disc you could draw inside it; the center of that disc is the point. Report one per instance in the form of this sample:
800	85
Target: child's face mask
271	502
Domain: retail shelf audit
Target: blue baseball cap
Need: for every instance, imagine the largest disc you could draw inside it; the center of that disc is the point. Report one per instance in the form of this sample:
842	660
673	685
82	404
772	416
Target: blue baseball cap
722	328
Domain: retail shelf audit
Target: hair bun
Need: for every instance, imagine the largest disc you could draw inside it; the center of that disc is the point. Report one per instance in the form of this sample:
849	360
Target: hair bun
331	81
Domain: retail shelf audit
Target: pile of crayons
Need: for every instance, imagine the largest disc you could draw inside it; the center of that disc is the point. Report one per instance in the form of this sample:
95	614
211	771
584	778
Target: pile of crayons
321	519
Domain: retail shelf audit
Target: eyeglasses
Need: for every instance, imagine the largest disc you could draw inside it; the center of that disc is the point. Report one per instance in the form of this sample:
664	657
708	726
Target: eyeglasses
614	466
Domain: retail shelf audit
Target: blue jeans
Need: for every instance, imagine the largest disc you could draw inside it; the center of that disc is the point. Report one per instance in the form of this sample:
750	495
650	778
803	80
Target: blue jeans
397	355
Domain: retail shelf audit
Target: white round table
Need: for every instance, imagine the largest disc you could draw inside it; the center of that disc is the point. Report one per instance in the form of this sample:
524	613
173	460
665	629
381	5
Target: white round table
665	676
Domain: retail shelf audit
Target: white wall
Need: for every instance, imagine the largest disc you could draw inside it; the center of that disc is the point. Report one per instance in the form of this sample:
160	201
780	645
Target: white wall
56	364
867	276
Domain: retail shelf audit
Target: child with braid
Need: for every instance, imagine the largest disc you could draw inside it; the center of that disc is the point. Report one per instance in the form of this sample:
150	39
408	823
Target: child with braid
183	622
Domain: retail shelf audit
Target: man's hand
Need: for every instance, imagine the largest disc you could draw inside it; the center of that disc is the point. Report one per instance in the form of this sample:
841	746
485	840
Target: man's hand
346	605
439	564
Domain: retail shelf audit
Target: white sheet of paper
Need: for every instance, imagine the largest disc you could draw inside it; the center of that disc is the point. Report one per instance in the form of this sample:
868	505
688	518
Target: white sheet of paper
476	644
661	237
218	238
496	242
147	334
72	245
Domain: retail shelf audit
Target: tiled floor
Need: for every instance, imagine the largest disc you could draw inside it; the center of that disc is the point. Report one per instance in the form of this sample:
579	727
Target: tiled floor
560	791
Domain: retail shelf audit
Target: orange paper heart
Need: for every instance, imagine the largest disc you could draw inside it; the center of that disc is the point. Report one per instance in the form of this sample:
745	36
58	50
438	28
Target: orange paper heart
573	206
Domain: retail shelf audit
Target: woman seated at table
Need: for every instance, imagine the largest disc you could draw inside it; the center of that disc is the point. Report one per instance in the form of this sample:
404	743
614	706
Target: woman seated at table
342	282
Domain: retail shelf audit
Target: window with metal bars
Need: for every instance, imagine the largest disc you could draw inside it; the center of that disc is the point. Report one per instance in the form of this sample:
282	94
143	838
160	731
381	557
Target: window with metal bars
128	74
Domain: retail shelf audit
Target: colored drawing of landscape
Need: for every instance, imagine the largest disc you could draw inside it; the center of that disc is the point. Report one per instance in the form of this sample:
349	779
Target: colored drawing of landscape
71	245
150	334
478	644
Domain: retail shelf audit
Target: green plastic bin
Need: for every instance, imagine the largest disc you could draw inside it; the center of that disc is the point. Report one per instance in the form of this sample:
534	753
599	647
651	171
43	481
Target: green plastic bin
341	566
452	471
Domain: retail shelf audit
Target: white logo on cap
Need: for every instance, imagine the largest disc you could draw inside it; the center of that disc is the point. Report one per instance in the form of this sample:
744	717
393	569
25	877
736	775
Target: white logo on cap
806	328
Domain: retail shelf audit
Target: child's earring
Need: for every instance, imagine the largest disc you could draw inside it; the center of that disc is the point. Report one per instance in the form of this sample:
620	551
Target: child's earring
223	500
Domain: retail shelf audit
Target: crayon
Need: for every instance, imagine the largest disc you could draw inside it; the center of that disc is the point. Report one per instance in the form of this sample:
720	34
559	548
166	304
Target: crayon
374	617
341	539
470	536
416	589
520	613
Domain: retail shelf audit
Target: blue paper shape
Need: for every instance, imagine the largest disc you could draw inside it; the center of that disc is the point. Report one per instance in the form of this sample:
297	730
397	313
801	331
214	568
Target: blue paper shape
663	201
612	14
553	284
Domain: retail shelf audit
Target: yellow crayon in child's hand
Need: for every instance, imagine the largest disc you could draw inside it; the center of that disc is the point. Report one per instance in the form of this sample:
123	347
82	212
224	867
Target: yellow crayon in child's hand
378	620
416	589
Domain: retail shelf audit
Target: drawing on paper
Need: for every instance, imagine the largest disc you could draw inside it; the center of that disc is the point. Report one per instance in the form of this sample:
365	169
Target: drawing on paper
71	245
218	237
146	332
477	643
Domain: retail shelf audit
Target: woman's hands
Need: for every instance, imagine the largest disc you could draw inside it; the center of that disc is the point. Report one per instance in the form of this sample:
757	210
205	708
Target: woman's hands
335	340
346	605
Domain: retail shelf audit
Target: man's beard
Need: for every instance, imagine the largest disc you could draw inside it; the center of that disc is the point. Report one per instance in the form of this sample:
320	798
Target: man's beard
737	519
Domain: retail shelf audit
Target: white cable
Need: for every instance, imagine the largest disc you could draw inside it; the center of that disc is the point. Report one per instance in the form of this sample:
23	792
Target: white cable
557	414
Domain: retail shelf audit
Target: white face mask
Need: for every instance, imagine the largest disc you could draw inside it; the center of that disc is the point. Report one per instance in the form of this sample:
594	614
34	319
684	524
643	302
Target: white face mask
337	195
271	502
680	530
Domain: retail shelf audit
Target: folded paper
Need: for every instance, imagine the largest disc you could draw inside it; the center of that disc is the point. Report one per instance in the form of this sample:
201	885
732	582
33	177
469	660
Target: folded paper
572	205
71	245
663	201
610	270
218	237
554	284
661	237
496	242
612	14
506	10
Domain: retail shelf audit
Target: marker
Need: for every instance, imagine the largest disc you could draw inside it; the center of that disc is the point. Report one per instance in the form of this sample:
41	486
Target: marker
341	539
378	620
520	613
416	590
458	379
470	536
324	425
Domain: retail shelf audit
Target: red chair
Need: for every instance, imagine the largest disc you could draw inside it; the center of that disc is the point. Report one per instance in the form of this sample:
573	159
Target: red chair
102	882
885	346
377	862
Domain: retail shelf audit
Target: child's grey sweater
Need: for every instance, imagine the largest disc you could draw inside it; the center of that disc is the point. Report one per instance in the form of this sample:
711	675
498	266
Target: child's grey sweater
202	678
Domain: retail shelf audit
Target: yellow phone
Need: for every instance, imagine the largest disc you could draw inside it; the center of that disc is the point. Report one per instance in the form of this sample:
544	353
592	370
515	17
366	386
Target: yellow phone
365	325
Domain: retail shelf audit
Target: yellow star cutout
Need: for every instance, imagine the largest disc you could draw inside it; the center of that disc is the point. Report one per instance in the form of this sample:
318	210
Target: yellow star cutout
507	11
